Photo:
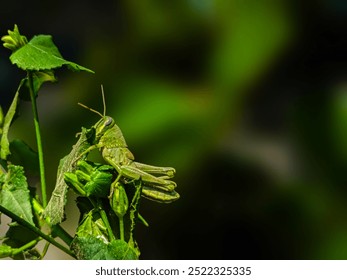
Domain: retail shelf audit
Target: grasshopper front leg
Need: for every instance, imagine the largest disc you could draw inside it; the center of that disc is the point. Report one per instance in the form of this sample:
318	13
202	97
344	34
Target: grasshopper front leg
85	153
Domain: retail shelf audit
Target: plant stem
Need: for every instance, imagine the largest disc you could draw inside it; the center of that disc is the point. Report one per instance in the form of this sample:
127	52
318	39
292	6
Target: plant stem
38	138
30	244
34	229
45	249
121	227
60	232
57	230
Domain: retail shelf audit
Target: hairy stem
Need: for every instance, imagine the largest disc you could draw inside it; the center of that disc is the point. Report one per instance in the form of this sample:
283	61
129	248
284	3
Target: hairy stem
57	230
38	139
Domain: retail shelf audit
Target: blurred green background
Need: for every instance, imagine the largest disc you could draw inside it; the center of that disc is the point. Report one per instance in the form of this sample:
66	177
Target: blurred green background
247	99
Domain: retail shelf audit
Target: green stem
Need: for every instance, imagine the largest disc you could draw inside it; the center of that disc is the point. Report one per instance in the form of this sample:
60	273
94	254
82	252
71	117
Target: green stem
38	138
142	219
57	230
62	234
45	249
121	227
34	229
29	245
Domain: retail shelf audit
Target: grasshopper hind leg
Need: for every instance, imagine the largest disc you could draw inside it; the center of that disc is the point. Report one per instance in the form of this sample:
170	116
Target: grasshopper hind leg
168	172
133	173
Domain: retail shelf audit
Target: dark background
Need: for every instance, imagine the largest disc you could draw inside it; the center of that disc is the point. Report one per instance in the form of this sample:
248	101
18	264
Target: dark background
246	99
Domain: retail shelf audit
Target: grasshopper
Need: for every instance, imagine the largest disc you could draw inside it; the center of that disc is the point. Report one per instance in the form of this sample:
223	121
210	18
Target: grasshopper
55	207
114	149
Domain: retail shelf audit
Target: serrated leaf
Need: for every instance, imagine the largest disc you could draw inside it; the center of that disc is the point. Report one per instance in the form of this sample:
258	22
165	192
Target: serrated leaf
92	248
4	144
55	207
122	250
40	53
14	193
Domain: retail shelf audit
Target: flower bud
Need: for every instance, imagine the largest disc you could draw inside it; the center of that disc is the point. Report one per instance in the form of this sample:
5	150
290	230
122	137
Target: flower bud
119	200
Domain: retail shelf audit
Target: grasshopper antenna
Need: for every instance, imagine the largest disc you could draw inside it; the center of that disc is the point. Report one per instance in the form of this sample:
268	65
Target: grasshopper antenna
90	109
103	99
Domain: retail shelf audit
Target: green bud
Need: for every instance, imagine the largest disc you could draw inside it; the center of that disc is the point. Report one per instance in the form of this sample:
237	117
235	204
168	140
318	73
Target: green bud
119	200
14	40
5	251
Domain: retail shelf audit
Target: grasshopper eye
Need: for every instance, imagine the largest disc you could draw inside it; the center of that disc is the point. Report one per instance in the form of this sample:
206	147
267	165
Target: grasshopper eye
109	121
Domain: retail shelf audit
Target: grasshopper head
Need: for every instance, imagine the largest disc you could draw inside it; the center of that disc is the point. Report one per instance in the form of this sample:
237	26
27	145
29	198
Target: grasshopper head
102	126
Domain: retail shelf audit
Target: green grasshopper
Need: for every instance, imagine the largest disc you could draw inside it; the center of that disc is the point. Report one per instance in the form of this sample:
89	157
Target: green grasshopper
110	140
55	207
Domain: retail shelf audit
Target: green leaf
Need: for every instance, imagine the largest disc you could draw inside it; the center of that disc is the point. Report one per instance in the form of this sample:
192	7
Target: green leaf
122	250
55	208
23	155
92	248
14	193
40	53
39	77
1	119
32	254
95	179
5	146
92	225
18	236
